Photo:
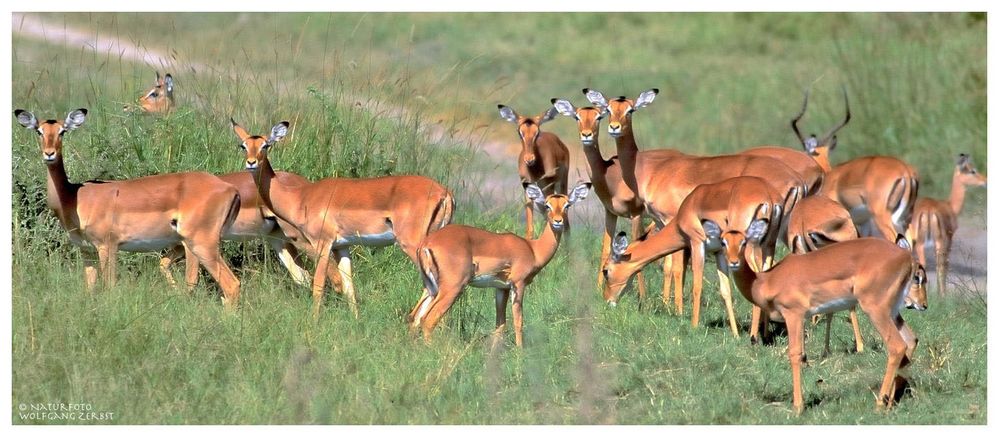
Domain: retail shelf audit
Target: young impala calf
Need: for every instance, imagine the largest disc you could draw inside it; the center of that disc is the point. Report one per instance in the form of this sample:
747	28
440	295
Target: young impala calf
159	98
608	184
147	214
879	276
734	203
333	214
935	221
459	256
816	222
543	160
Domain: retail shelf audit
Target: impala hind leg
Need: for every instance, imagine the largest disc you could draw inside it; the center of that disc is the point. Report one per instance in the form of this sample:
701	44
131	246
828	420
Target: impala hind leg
610	227
288	256
207	253
697	270
190	269
446	295
502	297
636	232
857	338
107	255
796	354
942	253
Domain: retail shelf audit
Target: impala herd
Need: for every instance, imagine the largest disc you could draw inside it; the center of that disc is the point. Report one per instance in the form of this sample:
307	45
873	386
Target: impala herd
856	231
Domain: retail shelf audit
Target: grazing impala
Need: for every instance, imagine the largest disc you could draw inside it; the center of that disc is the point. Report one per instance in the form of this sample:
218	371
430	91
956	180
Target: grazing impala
458	256
147	214
878	191
816	222
159	98
335	213
879	276
734	203
662	178
935	221
605	174
543	160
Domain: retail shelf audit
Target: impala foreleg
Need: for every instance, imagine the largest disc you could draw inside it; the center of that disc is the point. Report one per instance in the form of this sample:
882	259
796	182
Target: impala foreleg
288	256
896	348
90	270
725	288
697	270
347	278
319	278
610	226
107	255
171	256
636	232
858	339
518	313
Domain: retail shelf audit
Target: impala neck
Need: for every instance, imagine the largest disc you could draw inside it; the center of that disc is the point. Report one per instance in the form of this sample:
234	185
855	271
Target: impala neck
744	278
957	191
627	154
545	246
665	242
269	187
61	193
598	168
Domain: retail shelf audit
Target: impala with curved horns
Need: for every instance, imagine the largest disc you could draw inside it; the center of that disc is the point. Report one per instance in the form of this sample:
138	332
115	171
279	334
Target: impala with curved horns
147	214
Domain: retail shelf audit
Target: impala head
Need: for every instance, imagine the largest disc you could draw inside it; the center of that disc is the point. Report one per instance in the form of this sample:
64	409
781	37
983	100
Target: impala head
256	146
915	296
159	98
819	148
587	119
966	173
50	131
528	128
619	270
556	206
620	109
739	244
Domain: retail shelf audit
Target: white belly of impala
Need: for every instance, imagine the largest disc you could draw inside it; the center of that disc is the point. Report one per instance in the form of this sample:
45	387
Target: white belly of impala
488	281
148	245
386	238
833	306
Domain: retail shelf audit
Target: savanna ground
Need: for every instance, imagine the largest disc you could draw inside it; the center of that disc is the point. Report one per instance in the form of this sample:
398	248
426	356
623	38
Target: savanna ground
376	94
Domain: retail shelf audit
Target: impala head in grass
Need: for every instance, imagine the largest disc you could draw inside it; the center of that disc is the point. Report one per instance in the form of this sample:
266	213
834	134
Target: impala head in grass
255	146
159	98
50	132
529	128
587	119
620	109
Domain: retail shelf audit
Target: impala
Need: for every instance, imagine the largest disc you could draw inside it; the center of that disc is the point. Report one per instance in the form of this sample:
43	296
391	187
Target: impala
159	98
458	256
543	159
735	203
935	221
816	222
147	214
335	213
662	178
609	186
879	276
878	191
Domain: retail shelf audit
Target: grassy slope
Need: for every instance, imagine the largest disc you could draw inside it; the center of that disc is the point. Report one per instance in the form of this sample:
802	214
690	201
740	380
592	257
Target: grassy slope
154	355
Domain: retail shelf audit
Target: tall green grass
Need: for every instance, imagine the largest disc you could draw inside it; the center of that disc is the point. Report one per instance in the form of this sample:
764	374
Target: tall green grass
152	354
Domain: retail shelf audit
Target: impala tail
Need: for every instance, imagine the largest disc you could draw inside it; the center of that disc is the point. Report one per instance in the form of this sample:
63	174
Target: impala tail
429	270
902	199
230	216
443	211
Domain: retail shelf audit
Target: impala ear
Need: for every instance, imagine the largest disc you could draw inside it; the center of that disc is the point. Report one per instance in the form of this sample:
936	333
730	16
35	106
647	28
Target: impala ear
757	230
711	229
507	113
534	193
548	115
902	242
241	133
645	98
579	192
168	81
619	246
26	119
278	132
75	119
565	108
158	79
963	159
595	97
